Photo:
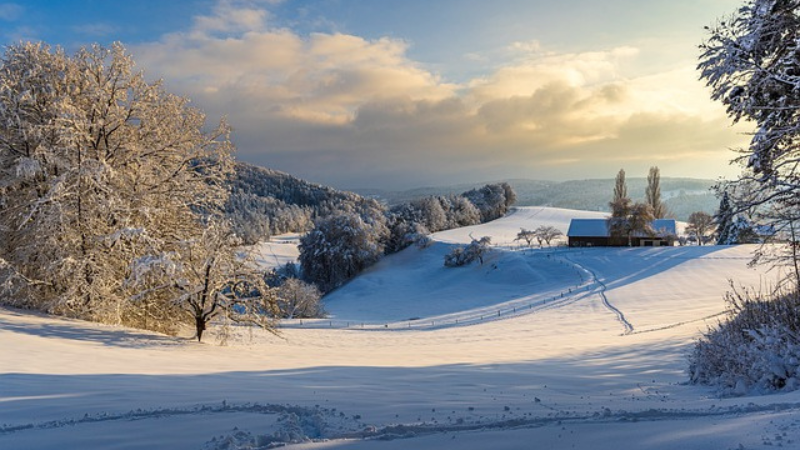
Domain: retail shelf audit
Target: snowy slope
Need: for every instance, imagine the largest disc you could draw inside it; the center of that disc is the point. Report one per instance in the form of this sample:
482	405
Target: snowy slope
600	368
276	252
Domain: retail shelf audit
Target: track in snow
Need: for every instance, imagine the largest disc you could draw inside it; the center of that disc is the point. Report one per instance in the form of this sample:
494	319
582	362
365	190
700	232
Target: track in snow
603	288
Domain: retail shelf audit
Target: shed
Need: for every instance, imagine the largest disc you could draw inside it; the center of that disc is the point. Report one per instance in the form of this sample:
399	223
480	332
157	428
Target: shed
594	233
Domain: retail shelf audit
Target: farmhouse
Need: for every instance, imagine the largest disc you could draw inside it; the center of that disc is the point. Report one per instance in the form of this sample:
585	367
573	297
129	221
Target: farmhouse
594	233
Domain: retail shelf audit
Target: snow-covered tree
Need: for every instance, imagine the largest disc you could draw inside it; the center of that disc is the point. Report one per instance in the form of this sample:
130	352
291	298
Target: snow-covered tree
207	278
724	221
699	225
430	213
526	235
462	212
474	251
339	248
99	169
547	233
297	299
492	200
751	60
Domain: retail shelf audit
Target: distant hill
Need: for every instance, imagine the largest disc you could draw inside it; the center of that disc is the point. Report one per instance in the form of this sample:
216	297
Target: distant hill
682	196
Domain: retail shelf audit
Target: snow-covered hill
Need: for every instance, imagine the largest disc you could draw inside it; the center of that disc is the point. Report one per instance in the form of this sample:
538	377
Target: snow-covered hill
550	348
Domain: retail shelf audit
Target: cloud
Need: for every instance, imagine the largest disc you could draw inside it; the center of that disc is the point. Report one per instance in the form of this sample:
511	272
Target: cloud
231	16
342	109
10	12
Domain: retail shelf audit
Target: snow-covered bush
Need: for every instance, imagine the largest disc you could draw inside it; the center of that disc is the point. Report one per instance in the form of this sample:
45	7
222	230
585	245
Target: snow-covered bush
756	349
298	299
461	256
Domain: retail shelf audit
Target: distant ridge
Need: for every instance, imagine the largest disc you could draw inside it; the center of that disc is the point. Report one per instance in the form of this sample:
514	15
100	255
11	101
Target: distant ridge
682	196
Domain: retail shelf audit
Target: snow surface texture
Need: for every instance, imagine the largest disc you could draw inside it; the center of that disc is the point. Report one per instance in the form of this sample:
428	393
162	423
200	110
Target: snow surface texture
277	252
602	367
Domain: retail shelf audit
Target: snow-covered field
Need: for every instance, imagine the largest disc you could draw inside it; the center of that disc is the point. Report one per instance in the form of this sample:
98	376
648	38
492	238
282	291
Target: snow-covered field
545	348
277	251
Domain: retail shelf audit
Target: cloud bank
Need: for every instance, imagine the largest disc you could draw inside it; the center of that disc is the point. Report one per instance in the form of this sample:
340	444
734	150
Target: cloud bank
340	109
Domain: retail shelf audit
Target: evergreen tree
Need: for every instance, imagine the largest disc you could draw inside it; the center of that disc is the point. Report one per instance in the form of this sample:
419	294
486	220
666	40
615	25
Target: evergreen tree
724	219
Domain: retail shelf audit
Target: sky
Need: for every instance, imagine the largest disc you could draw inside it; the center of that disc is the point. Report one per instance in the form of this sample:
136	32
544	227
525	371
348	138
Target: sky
402	94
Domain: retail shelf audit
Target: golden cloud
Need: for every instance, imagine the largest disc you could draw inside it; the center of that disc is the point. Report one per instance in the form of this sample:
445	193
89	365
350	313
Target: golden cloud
339	94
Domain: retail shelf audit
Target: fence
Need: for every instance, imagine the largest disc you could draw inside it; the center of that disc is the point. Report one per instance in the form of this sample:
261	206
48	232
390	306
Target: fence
587	285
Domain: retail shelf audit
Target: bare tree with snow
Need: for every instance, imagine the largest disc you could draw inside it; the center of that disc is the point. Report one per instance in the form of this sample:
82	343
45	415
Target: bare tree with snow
104	174
297	299
474	251
526	235
547	233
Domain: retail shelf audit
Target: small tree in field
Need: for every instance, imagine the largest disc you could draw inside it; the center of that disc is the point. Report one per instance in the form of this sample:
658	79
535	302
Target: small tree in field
526	235
699	225
297	299
547	233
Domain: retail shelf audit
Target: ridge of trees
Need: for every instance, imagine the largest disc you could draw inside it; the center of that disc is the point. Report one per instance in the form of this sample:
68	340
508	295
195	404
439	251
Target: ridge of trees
342	245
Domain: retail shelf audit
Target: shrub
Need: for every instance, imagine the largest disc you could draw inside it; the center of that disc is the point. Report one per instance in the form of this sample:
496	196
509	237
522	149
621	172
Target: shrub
461	256
757	348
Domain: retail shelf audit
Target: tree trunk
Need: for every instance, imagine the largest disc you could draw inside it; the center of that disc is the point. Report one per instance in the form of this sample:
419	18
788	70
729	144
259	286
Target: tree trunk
794	256
200	326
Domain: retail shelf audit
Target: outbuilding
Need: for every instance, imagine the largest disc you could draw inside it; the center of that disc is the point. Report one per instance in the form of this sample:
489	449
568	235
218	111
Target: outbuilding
594	233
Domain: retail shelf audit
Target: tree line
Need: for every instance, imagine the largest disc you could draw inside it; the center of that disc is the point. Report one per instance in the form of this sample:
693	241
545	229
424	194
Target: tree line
343	244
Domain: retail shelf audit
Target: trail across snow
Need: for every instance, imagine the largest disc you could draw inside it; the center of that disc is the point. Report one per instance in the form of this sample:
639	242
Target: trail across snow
434	366
602	293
